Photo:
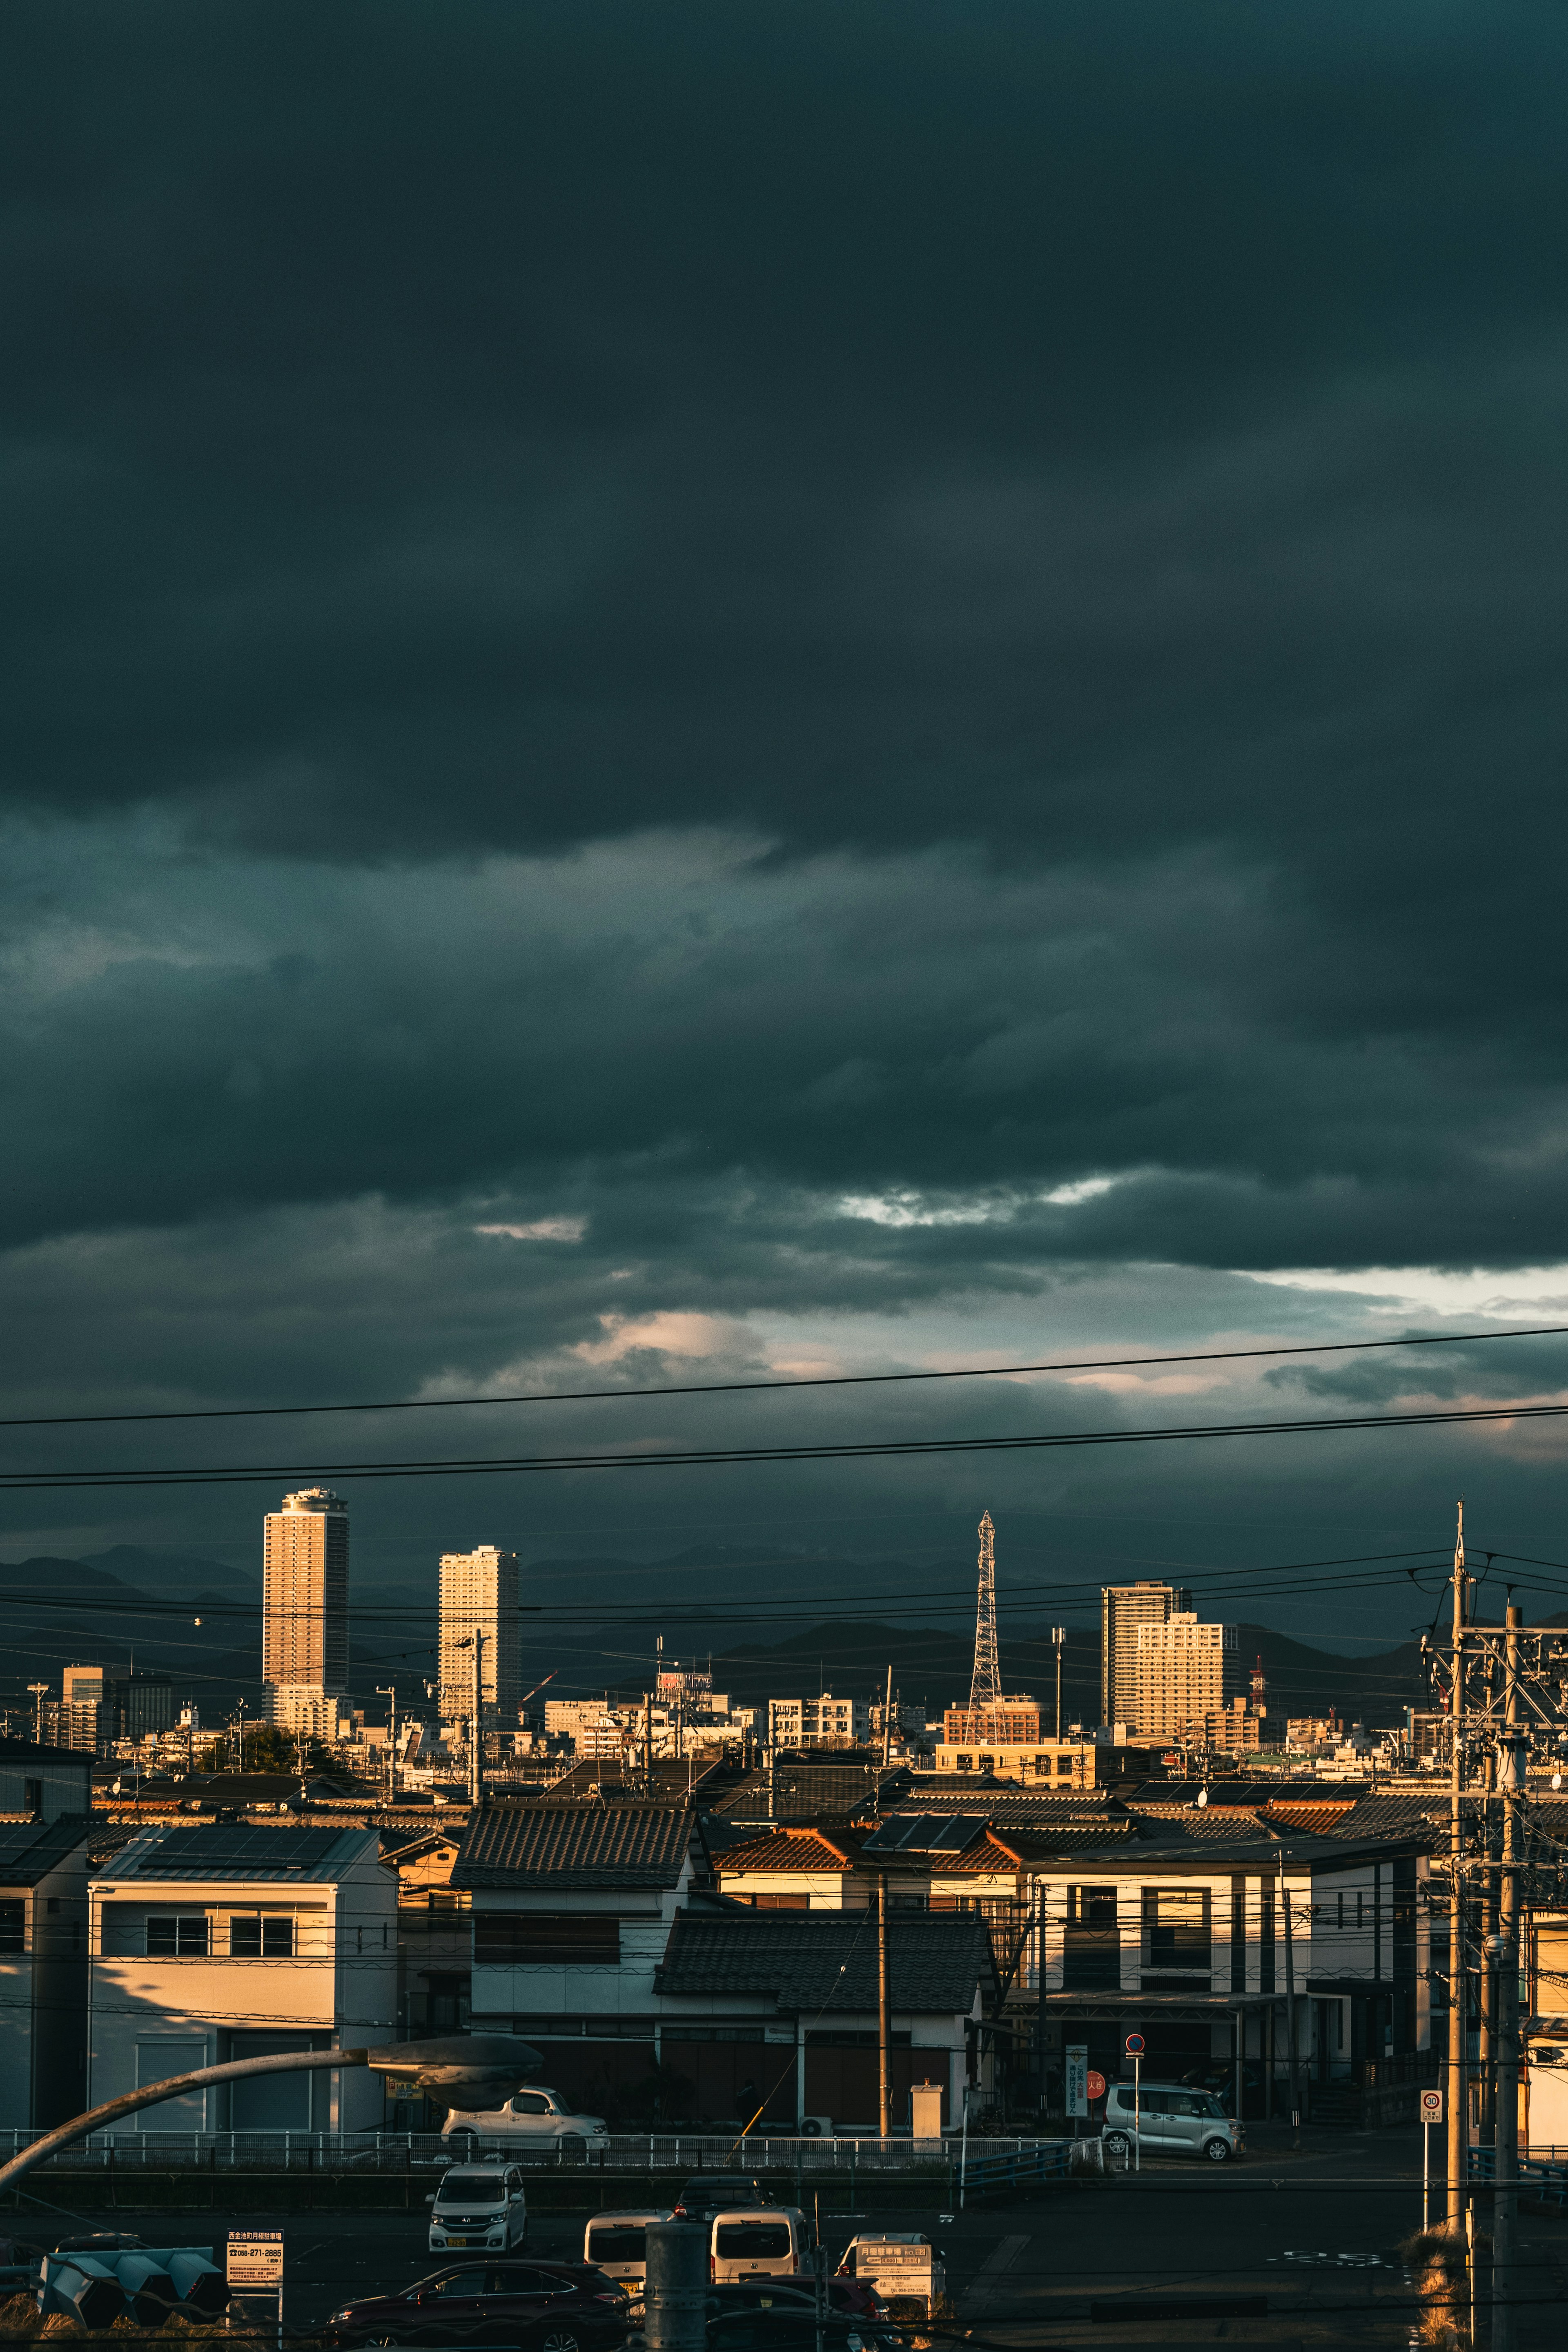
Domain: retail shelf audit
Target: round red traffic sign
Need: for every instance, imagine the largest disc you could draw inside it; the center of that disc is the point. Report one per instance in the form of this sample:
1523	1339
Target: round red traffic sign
1094	2084
1135	2046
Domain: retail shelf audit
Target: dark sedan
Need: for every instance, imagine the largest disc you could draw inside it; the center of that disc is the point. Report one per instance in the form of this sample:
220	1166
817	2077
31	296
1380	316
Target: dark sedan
539	2306
847	2298
707	2193
795	2331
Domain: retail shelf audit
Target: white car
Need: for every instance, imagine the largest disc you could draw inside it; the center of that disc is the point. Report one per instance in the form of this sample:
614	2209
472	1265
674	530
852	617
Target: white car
535	2115
479	2205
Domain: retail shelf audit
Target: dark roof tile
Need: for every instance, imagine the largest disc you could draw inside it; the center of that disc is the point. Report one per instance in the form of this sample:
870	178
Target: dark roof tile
573	1847
812	1961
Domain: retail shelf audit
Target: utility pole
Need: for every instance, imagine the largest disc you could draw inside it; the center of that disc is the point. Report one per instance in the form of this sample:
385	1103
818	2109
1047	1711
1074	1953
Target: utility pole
1458	2019
1512	1755
1290	1997
1058	1639
884	2018
40	1692
389	1691
476	1642
888	1723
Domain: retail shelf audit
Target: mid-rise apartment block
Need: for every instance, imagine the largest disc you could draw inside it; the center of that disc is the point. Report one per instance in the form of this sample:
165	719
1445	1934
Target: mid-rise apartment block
823	1722
1186	1672
135	1700
478	1594
1012	1722
1124	1611
305	1601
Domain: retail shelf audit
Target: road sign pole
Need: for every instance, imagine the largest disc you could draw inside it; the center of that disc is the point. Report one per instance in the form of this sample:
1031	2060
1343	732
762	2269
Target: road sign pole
1425	2176
1137	2111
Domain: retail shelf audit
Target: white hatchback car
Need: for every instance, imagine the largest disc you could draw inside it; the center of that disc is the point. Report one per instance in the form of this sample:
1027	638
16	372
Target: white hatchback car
535	2115
479	2205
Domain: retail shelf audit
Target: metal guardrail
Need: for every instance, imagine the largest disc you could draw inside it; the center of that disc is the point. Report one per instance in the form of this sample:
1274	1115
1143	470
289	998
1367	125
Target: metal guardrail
1043	2159
397	2152
1536	2176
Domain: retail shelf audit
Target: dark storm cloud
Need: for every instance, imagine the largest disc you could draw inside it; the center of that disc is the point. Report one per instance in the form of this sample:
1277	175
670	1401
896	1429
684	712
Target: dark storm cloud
866	424
902	663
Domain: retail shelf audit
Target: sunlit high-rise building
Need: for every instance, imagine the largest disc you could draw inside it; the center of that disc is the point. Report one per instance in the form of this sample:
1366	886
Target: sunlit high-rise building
1124	1611
305	1604
478	1589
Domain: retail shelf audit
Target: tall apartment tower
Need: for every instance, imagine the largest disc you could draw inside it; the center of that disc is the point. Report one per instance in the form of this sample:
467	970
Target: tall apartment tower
479	1589
1124	1609
305	1608
1185	1674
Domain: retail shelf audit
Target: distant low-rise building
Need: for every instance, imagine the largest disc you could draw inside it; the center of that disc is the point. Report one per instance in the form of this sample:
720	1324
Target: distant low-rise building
821	1722
1051	1763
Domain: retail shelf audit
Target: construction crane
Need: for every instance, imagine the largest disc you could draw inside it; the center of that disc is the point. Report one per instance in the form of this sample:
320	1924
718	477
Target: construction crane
985	1687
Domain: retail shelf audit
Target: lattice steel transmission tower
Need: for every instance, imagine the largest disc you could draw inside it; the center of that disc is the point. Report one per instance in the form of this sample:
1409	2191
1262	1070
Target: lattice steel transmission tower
985	1689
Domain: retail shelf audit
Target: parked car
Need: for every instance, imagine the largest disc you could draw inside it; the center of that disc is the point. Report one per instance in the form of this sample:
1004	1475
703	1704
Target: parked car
536	2114
483	2205
707	2193
751	2242
616	2244
539	2306
847	2298
1171	2120
792	2331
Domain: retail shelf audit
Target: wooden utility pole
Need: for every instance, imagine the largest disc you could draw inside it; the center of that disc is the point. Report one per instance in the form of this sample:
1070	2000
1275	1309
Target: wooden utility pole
884	2015
888	1723
476	1723
1290	1997
1458	2019
1511	1757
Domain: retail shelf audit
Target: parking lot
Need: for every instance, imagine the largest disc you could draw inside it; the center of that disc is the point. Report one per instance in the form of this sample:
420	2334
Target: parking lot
1314	2230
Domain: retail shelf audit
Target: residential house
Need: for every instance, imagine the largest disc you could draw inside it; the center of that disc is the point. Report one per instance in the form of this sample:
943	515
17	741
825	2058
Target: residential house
44	1782
43	1970
229	1940
592	1940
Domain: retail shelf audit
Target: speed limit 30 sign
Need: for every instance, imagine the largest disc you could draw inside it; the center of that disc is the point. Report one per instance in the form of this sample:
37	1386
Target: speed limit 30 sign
1431	2107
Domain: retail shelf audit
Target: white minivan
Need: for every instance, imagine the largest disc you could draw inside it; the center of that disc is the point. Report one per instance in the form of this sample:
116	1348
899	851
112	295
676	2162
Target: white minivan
479	2205
751	2242
1172	2119
616	2244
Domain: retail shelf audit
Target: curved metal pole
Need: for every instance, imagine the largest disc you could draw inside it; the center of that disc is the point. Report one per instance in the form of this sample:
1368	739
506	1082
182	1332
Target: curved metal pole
288	2062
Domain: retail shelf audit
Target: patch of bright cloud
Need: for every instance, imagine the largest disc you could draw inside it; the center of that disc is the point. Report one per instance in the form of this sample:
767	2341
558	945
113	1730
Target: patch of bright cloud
667	1334
1530	1293
1088	1188
905	1208
543	1229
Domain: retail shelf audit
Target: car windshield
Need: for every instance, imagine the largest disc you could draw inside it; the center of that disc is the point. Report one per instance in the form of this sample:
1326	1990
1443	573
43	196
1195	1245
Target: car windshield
751	2241
618	2242
471	2189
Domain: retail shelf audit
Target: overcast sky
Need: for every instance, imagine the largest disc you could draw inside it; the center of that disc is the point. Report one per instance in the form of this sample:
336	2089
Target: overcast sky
723	689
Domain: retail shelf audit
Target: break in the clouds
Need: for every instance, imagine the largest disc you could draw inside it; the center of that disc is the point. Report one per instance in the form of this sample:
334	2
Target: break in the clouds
775	688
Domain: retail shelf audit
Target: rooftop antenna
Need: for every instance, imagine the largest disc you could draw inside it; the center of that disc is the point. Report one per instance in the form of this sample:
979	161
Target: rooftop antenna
985	1688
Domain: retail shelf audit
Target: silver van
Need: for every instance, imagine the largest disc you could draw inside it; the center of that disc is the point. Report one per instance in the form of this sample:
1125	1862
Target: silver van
751	2242
1172	2120
616	2244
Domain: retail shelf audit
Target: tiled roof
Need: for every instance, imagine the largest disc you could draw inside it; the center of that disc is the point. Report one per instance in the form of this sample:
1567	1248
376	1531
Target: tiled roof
265	1855
667	1783
574	1847
30	1850
808	1961
792	1848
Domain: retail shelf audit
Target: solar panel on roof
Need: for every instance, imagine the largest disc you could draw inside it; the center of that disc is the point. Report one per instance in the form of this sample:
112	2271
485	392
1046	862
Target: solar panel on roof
925	1832
237	1851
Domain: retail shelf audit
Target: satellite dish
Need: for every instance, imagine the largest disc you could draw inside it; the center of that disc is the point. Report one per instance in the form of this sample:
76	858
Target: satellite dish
1202	1796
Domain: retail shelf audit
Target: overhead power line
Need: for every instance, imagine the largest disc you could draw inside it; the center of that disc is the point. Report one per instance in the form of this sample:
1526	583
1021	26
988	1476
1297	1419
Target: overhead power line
811	1380
713	1457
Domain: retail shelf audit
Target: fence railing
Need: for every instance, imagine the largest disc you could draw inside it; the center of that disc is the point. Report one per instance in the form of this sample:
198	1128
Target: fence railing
320	2152
1539	2176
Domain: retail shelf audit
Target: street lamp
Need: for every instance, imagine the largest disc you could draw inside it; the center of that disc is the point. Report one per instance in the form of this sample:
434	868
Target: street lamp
468	2071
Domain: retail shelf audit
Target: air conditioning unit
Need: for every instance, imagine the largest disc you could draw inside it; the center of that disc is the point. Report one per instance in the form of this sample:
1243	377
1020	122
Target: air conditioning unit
816	2126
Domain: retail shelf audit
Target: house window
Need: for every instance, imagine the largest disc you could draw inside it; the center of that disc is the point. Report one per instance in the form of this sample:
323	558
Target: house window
176	1935
965	1763
547	1939
258	1936
32	1796
12	1926
1176	1928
